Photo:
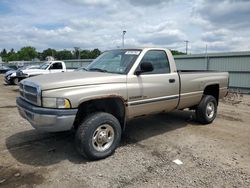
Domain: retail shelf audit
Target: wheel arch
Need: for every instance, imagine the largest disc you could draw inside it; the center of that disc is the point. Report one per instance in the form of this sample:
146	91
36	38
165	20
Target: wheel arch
212	90
112	104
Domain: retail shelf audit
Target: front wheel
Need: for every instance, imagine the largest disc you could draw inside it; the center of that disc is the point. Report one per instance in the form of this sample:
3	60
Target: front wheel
98	136
206	111
15	81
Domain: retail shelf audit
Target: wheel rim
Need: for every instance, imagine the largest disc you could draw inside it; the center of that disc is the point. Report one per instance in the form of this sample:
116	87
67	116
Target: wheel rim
210	110
103	137
16	82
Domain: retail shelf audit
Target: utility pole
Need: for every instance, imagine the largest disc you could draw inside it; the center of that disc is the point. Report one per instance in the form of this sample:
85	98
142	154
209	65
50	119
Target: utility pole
186	41
77	49
206	58
79	53
123	34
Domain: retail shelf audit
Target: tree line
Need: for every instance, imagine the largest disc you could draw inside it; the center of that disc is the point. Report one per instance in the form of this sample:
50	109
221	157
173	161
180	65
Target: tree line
29	53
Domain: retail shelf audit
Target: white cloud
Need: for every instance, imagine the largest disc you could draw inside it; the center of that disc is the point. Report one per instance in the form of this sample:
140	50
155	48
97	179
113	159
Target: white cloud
215	35
89	2
222	25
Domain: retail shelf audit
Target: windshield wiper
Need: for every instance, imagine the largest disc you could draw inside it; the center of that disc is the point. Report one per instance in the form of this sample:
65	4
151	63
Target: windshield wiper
97	69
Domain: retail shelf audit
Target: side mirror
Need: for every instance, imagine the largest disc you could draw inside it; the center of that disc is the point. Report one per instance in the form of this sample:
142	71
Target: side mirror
145	67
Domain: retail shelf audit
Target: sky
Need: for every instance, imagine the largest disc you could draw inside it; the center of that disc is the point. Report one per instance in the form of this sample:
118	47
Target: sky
221	25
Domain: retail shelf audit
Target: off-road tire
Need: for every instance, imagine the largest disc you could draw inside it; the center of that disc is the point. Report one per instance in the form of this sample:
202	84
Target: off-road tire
202	109
86	130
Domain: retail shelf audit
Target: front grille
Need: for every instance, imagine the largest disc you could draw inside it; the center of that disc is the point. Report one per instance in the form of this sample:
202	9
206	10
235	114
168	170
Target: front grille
30	92
30	89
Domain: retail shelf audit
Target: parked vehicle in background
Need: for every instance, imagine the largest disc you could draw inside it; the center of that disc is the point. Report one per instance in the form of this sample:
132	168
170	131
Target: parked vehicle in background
118	86
81	69
10	77
4	68
46	68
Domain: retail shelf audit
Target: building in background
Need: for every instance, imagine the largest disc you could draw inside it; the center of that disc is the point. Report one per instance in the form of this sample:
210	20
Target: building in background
236	63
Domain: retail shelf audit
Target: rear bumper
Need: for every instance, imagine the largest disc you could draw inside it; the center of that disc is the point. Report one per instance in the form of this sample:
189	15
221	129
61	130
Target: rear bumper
46	119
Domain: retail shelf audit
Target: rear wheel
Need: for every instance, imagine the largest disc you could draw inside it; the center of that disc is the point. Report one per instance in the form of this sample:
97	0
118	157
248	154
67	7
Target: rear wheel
206	111
98	136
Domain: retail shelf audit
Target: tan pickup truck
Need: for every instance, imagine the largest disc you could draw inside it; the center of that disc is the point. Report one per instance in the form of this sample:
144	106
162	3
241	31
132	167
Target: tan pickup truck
119	85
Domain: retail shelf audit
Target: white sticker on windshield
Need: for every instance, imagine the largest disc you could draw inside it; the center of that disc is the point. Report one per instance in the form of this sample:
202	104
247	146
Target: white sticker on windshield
132	52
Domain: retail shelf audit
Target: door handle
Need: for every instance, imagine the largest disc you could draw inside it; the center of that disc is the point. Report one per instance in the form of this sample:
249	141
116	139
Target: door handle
172	80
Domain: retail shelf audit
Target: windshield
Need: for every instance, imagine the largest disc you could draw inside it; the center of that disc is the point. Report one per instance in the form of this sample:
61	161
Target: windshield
114	61
44	66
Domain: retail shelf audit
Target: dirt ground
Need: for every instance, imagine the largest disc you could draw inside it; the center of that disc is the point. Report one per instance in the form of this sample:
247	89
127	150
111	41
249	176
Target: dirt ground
216	155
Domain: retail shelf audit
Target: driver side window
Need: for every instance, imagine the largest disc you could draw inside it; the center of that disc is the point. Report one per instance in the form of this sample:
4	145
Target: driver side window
159	60
55	66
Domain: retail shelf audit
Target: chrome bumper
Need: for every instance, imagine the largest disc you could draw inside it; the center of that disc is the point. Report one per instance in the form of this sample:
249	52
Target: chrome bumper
46	119
7	81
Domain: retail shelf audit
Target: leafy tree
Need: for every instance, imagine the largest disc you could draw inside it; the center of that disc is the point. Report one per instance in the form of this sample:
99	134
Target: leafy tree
64	54
48	52
94	53
4	54
27	53
40	55
12	55
85	54
175	52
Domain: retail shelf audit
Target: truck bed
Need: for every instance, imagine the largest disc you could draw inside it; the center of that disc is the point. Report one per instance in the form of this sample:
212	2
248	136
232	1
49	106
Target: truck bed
193	83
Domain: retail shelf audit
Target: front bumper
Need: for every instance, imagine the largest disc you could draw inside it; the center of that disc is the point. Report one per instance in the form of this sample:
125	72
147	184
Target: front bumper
46	119
6	80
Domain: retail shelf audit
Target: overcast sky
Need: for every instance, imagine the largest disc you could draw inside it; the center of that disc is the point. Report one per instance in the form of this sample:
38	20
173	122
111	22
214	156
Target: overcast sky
64	24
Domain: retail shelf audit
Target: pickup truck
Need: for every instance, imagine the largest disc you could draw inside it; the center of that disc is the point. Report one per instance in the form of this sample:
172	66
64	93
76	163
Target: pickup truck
119	85
45	68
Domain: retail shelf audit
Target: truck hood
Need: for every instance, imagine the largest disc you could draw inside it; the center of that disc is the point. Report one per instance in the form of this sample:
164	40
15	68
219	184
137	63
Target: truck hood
71	79
9	72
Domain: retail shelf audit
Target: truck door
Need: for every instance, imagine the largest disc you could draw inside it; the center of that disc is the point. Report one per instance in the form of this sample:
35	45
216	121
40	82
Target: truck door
56	67
153	91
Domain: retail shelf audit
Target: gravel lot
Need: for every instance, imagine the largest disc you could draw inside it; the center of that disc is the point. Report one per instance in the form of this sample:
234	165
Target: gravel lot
216	155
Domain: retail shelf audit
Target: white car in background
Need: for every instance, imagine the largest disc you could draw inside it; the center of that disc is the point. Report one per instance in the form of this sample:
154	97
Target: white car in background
46	68
11	78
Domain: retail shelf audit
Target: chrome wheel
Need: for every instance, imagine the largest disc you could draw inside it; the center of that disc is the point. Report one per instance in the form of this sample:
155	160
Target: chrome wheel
103	137
210	110
16	81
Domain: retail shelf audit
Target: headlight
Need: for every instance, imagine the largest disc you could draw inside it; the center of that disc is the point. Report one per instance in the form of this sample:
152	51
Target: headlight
56	102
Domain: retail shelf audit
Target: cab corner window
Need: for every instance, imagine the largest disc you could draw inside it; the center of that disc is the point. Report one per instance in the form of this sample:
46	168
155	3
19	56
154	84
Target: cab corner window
159	60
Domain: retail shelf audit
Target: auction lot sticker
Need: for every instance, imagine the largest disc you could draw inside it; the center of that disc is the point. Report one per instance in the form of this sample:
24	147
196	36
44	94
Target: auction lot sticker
132	52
